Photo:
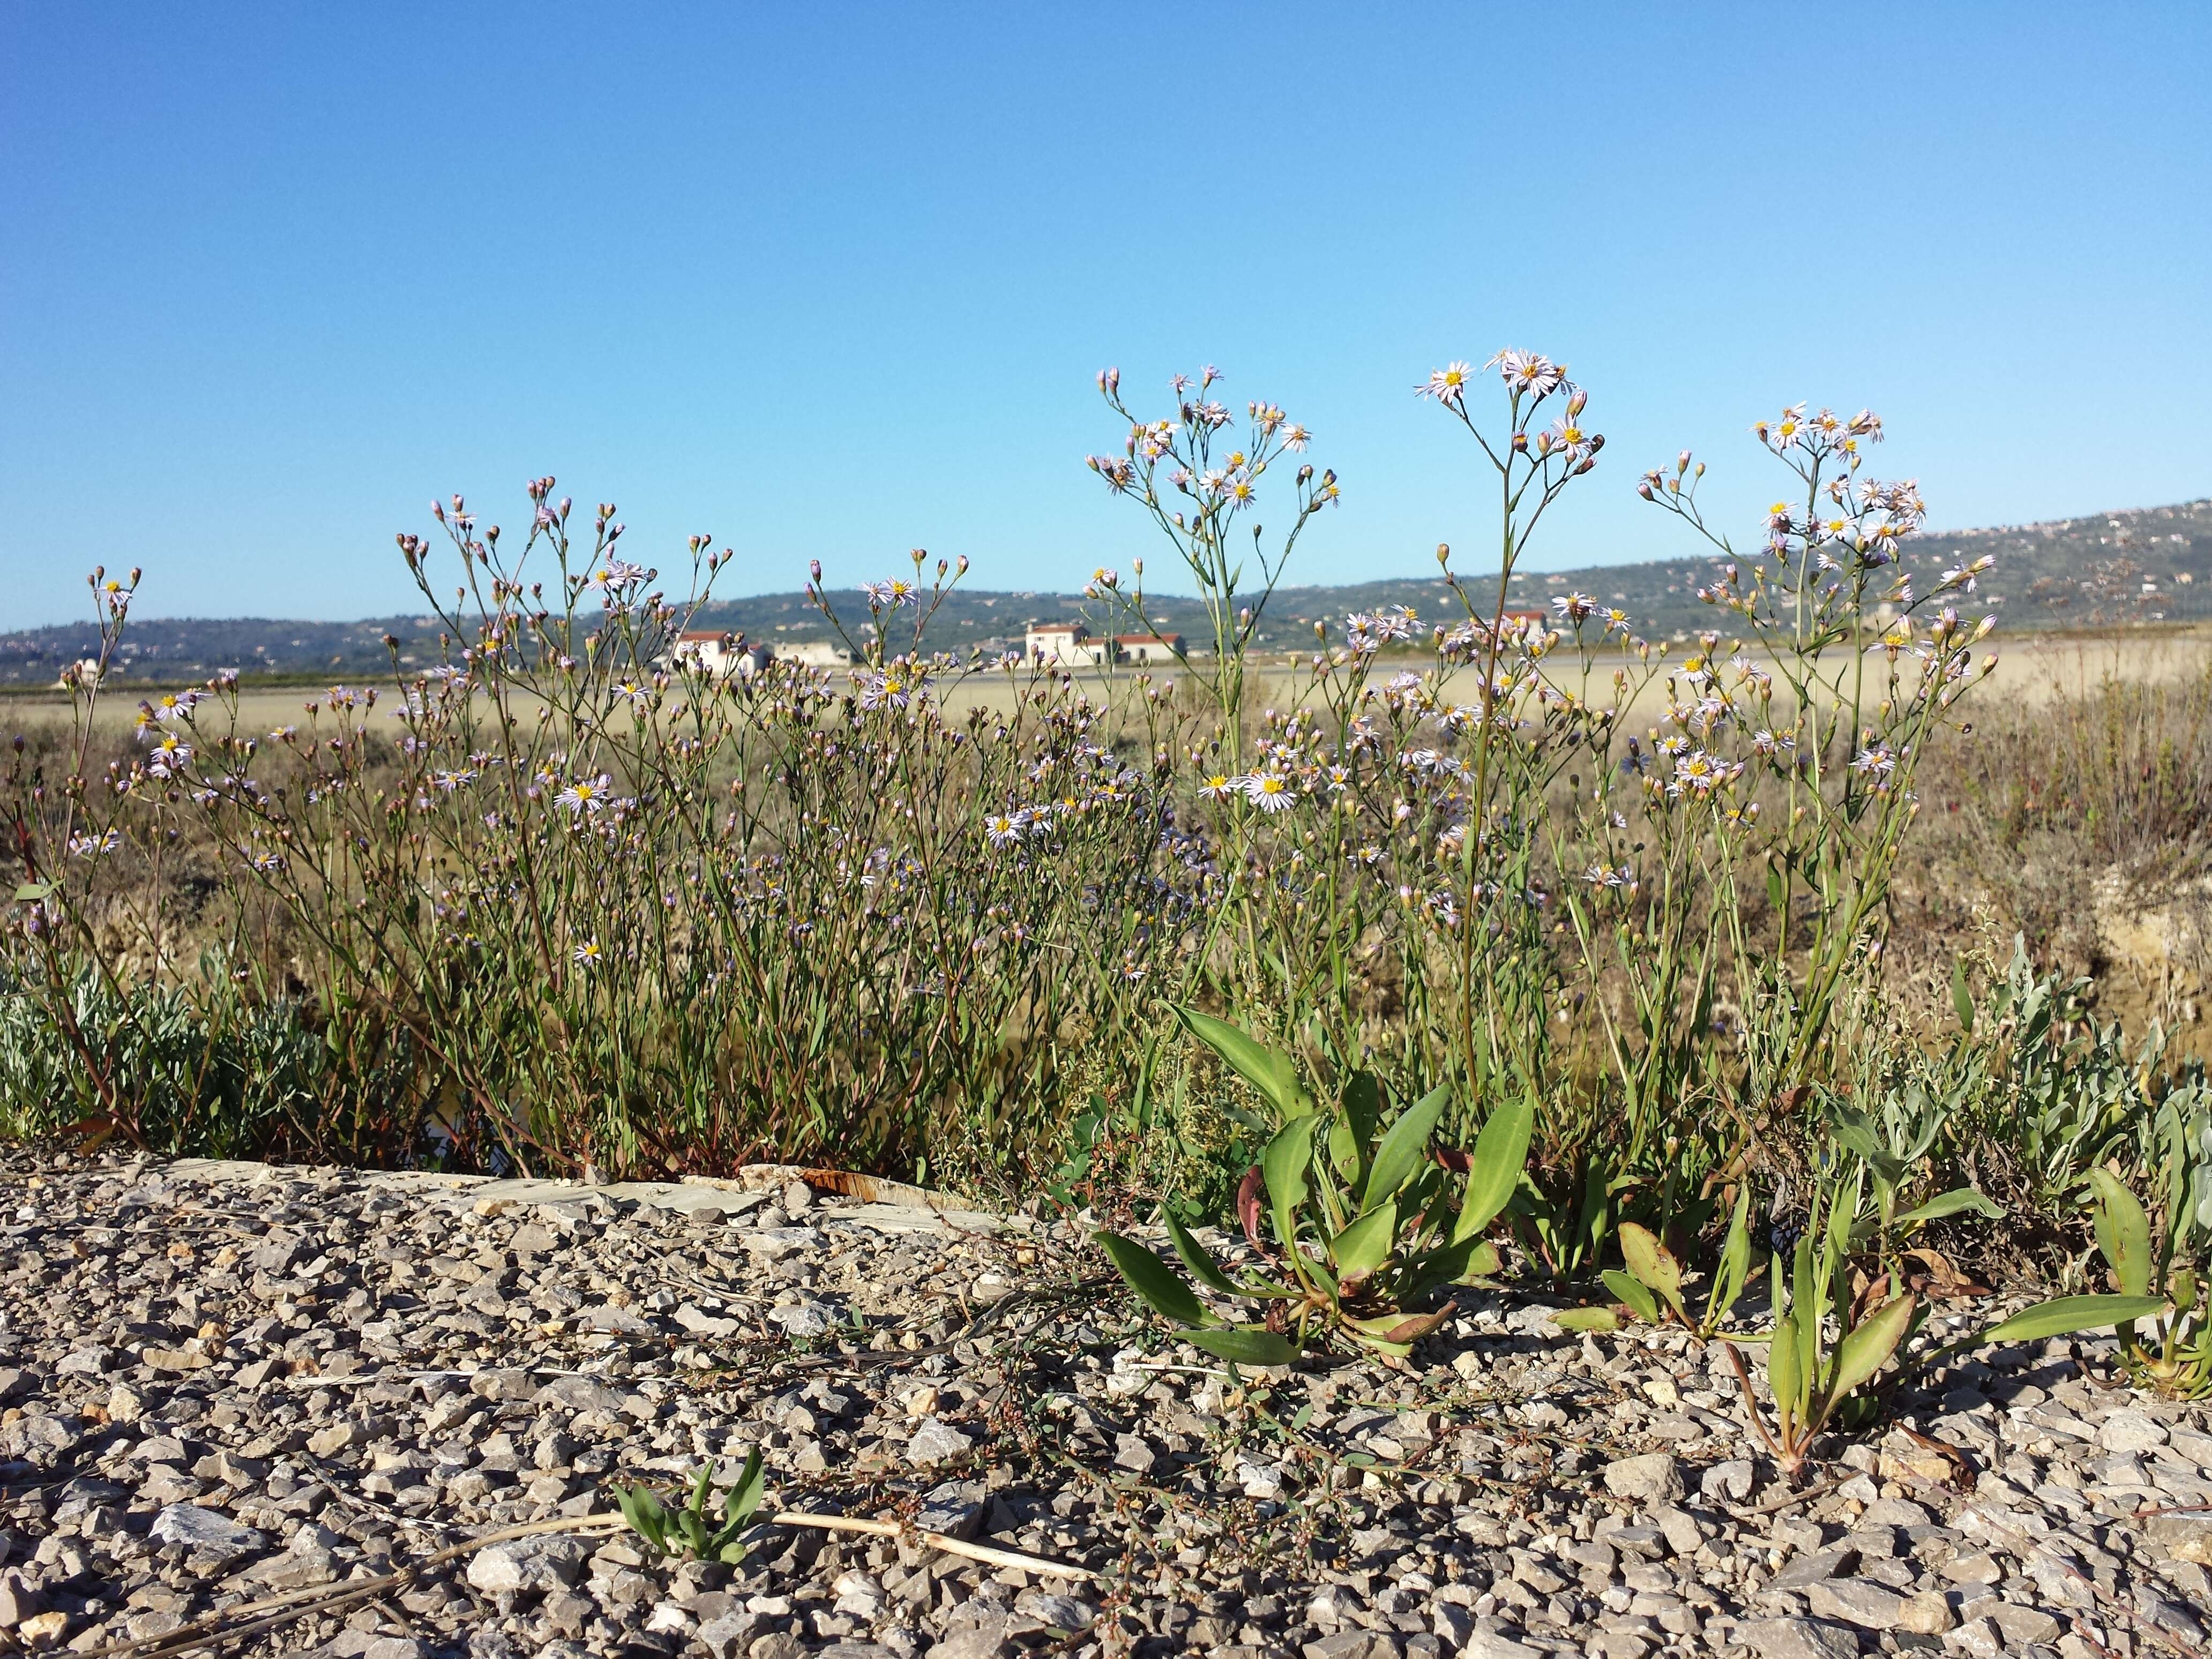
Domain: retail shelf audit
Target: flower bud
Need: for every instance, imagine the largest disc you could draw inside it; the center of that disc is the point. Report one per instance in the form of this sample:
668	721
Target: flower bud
814	568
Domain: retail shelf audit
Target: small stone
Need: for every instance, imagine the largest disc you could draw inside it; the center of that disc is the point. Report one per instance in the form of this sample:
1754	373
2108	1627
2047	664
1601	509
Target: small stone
955	1509
729	1635
1798	1638
1134	1453
205	1532
2130	1430
803	1319
19	1600
1453	1625
42	1629
1815	1567
91	1360
1259	1479
1653	1478
1979	1568
1895	1512
704	1324
1854	1602
1926	1613
1055	1612
1978	1638
2022	1626
525	1565
336	1437
936	1441
985	1641
1353	1645
1728	1482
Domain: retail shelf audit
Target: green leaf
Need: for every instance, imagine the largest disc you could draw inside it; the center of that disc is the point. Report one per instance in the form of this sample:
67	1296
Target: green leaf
1651	1262
1951	1203
1962	1000
1404	1148
1856	1130
1448	1264
1196	1257
1628	1289
2123	1232
1862	1353
1587	1319
1785	1372
1736	1261
645	1514
1273	1072
1400	1330
744	1498
2064	1315
1358	1117
1778	890
1501	1153
1283	1163
1246	1345
1364	1246
1154	1281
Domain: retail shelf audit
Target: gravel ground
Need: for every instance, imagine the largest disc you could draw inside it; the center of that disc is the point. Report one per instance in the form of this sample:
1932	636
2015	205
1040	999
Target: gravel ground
224	1386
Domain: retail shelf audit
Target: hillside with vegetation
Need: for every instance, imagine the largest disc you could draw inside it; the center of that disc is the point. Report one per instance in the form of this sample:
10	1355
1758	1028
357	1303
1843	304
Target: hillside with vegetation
2144	565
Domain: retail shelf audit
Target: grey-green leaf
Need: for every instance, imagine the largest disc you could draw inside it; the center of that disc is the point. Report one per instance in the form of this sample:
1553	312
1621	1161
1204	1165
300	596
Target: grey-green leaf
1404	1147
2064	1315
1154	1281
1501	1151
1199	1259
1246	1345
1268	1070
1955	1202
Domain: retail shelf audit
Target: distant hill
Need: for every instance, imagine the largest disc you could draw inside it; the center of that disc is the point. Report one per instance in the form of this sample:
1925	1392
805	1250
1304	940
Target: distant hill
2148	564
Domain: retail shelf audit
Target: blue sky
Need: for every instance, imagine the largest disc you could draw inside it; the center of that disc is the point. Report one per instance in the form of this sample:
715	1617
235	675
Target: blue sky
833	281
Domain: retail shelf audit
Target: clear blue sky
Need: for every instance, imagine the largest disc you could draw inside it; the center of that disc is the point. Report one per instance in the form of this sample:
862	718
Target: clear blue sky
833	280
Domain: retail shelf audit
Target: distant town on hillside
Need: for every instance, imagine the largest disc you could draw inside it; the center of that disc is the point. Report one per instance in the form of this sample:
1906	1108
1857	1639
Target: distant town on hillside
2145	565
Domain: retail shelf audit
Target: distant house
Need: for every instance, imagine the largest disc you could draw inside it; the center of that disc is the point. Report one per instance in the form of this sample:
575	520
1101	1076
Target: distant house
722	654
1148	647
819	653
1064	642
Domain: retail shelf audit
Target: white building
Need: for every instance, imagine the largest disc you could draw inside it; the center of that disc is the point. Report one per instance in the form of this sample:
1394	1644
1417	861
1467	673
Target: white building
722	654
1148	647
1064	642
819	653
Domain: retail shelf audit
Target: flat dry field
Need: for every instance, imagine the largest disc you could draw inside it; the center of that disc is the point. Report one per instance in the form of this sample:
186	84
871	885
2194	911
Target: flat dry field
2034	667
